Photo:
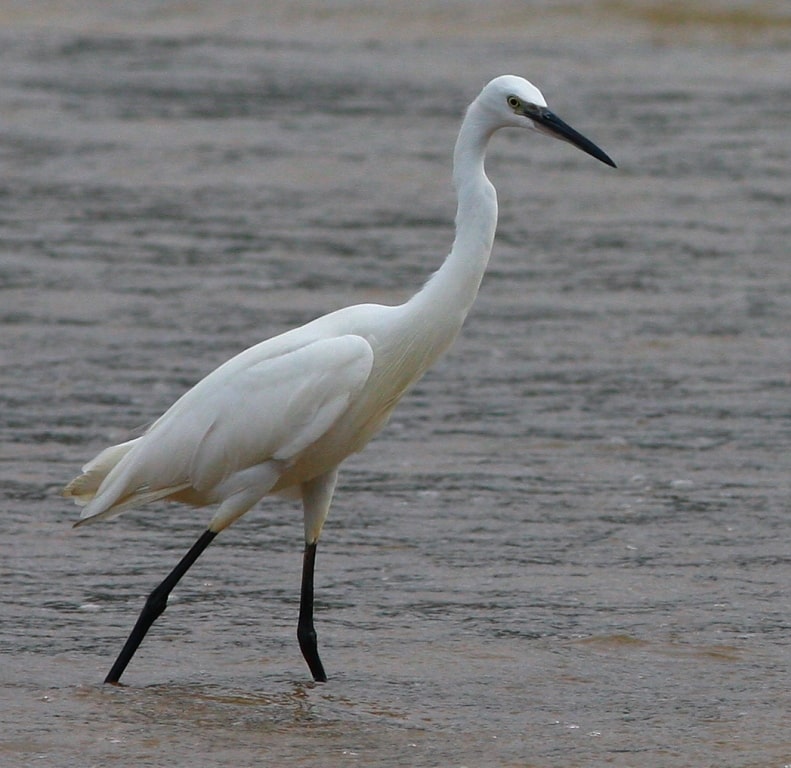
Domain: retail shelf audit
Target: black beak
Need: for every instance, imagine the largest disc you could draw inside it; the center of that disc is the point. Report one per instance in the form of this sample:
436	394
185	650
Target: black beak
548	122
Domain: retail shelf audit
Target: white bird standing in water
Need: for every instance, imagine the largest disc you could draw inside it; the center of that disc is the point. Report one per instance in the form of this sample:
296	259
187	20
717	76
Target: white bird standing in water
280	417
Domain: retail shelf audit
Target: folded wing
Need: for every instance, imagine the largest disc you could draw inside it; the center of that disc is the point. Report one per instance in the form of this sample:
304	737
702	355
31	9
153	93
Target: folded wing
239	425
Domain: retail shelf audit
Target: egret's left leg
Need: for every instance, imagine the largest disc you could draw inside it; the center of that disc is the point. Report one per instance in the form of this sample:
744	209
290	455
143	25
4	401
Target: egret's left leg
306	632
316	498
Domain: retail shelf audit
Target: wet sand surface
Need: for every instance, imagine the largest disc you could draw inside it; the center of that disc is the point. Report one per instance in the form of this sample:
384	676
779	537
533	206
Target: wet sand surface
570	547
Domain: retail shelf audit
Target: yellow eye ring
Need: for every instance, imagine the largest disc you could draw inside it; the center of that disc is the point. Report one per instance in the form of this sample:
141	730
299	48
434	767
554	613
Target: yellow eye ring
514	102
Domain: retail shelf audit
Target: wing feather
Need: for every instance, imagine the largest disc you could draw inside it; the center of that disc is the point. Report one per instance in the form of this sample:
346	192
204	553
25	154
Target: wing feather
238	417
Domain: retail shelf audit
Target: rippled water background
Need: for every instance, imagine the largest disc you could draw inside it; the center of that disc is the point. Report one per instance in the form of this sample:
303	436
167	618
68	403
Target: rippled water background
571	545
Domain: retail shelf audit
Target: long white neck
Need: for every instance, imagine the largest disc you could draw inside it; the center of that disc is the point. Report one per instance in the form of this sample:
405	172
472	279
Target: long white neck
451	291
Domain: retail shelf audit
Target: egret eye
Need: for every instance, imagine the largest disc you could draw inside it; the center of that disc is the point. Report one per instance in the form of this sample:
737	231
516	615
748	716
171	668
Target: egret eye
514	102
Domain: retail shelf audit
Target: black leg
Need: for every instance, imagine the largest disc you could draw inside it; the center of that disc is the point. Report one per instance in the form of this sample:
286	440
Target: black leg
306	633
155	604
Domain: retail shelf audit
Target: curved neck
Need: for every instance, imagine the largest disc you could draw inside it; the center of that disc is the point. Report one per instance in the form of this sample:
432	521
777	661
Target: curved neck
453	288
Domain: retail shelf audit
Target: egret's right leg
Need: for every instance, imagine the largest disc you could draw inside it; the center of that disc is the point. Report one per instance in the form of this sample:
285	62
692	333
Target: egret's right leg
239	492
155	604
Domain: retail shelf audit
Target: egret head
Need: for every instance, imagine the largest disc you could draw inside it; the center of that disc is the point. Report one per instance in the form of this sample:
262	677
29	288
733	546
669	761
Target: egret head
514	102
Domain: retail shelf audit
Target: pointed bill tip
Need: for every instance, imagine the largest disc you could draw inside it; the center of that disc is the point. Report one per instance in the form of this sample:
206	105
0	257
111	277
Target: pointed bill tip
548	122
591	149
607	160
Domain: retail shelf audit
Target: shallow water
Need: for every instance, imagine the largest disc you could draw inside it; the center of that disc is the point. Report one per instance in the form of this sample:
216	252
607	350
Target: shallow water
571	545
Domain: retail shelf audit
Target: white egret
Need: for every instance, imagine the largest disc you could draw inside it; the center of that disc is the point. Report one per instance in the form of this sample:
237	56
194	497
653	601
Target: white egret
280	417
